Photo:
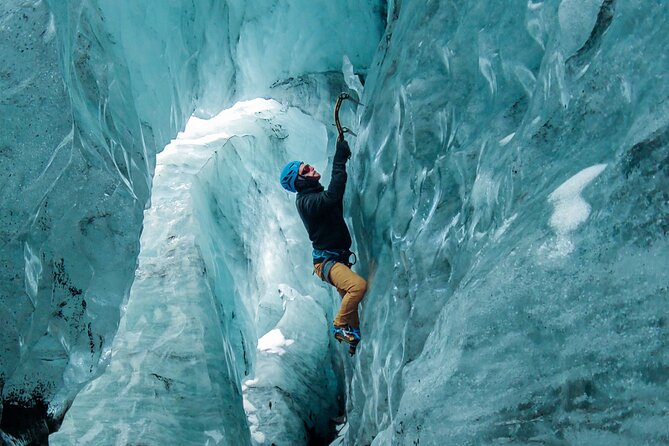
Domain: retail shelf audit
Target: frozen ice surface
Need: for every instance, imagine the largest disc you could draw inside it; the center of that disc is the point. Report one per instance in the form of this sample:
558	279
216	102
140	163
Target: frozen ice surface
507	195
84	108
171	343
91	90
293	397
511	211
201	301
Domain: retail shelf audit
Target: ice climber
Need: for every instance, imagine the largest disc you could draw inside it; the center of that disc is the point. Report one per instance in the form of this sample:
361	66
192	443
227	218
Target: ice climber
322	212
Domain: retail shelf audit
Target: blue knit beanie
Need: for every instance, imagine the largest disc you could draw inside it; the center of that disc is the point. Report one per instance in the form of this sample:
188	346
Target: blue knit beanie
289	175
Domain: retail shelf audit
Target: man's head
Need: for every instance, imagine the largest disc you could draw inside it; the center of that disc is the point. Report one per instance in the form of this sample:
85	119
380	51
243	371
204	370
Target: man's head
296	174
309	172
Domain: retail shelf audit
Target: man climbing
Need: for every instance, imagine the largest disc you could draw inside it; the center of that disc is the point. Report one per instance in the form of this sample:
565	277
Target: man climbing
322	212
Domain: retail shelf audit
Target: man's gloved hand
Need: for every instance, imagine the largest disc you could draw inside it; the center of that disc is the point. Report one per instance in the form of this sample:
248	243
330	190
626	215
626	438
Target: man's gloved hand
343	152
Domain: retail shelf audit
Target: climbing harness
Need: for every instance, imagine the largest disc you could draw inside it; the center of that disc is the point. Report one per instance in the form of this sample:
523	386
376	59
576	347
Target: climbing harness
341	130
327	259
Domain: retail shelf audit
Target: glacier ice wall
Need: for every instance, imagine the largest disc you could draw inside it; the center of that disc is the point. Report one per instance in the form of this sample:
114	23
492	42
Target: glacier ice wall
290	387
80	131
90	92
511	209
209	287
508	195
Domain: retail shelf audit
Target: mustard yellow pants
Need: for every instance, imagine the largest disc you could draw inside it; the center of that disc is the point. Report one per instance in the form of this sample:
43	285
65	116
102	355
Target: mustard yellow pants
350	286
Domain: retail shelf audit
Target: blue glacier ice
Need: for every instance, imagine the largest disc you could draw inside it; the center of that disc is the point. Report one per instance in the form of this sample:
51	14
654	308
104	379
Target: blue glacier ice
508	196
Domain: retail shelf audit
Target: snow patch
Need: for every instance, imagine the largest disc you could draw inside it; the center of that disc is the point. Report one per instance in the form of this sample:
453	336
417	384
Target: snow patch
570	210
273	342
215	435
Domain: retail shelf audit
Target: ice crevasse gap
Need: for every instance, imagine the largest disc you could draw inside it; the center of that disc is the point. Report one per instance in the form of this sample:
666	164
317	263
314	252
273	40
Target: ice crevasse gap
507	195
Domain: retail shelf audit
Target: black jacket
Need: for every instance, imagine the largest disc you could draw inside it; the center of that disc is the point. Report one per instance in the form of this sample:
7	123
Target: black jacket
322	211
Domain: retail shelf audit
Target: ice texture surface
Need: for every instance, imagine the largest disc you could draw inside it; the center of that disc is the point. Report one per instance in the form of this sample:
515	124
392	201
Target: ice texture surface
91	90
84	110
507	195
210	331
510	204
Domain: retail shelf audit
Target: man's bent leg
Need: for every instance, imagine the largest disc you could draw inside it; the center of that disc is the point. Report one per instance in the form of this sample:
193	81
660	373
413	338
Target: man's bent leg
352	287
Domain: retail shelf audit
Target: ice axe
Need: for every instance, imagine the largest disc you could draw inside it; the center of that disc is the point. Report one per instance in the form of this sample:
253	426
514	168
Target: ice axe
341	129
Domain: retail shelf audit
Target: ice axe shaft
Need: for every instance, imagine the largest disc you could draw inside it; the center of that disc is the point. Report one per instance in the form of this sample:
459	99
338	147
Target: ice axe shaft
341	130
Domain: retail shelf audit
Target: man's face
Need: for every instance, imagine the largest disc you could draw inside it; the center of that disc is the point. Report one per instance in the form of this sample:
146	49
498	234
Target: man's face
309	171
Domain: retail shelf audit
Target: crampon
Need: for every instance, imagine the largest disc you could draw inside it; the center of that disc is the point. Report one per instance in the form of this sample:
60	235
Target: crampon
349	335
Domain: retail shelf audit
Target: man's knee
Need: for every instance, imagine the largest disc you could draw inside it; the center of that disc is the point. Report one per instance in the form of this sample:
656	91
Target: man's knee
359	287
342	277
363	285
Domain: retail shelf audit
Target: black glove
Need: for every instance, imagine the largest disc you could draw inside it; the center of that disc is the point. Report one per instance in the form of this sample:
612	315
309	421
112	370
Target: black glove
343	152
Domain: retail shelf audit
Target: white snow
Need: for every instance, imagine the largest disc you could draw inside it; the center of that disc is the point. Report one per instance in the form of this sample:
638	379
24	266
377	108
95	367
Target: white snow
570	209
273	342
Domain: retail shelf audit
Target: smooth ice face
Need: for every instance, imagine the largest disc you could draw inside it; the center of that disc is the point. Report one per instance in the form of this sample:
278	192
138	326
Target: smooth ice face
288	40
511	177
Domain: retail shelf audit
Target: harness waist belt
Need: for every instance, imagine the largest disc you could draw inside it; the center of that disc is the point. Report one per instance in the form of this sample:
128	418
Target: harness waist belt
321	255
